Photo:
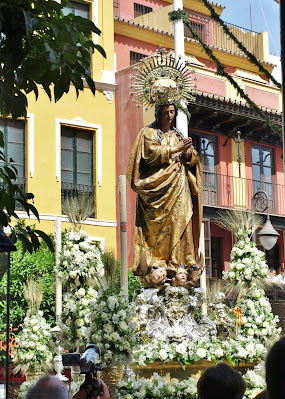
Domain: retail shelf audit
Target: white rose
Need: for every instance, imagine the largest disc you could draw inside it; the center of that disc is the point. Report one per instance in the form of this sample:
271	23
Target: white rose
163	354
112	302
29	356
36	328
107	328
242	353
263	301
201	352
255	392
191	389
81	292
259	348
250	303
79	322
122	313
84	301
115	336
231	274
73	274
250	332
181	348
249	347
123	326
219	352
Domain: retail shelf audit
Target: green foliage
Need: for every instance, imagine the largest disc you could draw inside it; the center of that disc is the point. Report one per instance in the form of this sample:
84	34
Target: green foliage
39	45
40	265
133	281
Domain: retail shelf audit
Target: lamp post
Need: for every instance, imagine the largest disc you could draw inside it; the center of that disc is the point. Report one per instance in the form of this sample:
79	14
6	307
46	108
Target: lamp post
267	235
238	141
6	245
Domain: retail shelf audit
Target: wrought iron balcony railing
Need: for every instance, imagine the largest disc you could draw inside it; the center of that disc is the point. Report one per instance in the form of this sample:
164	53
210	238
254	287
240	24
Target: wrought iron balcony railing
225	191
71	190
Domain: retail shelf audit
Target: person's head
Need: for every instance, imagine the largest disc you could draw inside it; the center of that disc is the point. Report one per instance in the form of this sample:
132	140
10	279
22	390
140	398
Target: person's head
158	275
48	387
272	271
283	271
181	276
275	370
166	112
221	382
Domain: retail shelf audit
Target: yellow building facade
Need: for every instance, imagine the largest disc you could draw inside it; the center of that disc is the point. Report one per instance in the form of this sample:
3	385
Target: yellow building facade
69	146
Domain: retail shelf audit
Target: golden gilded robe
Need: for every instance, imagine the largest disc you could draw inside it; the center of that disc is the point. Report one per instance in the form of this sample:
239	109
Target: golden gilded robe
169	200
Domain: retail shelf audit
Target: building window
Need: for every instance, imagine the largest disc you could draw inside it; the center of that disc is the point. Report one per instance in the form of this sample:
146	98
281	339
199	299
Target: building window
136	57
216	257
262	169
206	146
140	9
14	147
76	162
77	9
200	25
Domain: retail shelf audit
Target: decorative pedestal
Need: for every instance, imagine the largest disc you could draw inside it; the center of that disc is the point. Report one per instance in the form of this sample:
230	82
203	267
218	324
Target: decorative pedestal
112	376
175	369
33	376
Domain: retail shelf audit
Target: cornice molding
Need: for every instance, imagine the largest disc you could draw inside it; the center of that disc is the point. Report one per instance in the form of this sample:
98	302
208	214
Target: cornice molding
158	37
103	86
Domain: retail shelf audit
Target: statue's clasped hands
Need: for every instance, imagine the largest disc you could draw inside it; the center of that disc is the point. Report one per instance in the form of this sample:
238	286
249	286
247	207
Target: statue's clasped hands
184	145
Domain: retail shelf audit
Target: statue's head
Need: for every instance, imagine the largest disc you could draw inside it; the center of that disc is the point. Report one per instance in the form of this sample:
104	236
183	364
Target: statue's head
158	275
157	113
181	276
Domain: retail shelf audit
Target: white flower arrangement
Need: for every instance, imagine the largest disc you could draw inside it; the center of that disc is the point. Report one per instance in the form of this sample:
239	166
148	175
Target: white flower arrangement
80	261
164	387
82	272
34	346
240	349
248	268
255	383
247	262
113	327
257	319
24	387
157	387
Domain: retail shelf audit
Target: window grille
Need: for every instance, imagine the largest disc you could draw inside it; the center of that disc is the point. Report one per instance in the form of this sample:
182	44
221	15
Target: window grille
136	57
140	9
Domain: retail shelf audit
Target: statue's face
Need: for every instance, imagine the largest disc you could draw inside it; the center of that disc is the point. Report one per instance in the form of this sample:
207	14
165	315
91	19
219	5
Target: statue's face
167	114
157	275
181	275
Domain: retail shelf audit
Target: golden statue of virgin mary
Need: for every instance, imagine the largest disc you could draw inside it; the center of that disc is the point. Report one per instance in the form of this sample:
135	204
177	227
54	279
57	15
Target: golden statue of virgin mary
164	170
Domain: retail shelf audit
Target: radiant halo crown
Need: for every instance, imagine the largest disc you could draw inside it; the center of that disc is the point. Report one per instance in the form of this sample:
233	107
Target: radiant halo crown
161	80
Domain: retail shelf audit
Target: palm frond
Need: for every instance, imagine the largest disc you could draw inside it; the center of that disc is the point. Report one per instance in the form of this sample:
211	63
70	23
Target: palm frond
33	293
109	263
237	221
78	209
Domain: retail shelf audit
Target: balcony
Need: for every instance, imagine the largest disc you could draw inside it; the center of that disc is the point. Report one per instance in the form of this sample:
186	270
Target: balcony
231	192
71	190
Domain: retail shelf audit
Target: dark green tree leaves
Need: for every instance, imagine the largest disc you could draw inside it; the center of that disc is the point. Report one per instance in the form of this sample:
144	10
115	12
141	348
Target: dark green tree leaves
41	46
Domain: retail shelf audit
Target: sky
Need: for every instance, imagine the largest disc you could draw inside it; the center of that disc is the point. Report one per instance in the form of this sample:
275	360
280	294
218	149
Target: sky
264	16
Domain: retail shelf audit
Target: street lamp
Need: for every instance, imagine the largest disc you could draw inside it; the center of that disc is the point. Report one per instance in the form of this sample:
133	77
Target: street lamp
6	245
267	235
